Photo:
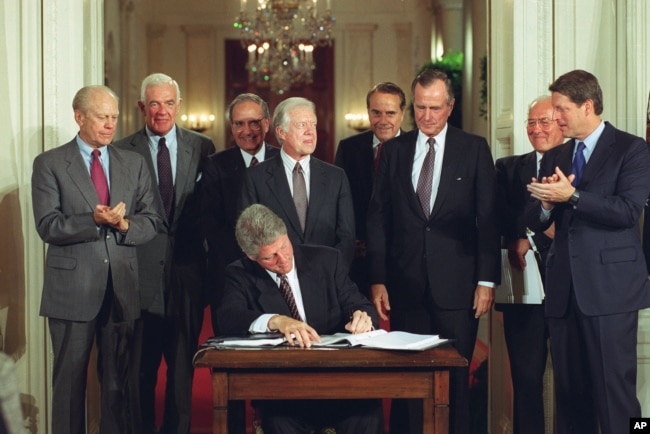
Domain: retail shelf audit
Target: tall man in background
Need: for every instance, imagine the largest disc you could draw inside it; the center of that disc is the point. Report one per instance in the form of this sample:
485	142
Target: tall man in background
93	203
172	265
358	155
249	119
433	239
593	188
311	196
524	324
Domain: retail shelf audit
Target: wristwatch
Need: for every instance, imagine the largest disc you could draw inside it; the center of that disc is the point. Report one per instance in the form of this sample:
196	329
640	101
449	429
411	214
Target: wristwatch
575	197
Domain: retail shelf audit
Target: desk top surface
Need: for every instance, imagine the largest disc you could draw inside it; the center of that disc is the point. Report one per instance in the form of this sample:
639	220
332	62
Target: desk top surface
323	358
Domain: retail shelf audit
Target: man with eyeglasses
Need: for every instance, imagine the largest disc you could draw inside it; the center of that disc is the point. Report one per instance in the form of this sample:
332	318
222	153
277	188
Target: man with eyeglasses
171	266
249	119
524	325
311	196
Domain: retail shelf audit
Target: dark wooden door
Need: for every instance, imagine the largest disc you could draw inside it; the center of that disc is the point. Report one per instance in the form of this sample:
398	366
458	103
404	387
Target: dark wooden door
321	92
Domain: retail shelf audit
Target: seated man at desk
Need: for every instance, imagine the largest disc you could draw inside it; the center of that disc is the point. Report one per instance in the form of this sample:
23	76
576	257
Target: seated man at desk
300	291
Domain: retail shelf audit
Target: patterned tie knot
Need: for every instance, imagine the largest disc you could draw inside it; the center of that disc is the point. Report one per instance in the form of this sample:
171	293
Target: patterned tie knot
254	162
287	294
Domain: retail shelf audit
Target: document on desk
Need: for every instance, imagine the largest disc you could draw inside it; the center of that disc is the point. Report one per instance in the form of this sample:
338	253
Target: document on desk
249	341
381	339
517	286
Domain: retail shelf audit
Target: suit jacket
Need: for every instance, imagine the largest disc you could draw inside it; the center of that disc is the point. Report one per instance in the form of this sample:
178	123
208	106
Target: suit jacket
445	256
597	246
173	262
329	296
223	177
513	174
355	156
80	255
330	216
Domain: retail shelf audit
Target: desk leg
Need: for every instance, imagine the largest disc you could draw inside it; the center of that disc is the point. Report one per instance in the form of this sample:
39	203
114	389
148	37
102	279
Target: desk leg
436	410
219	402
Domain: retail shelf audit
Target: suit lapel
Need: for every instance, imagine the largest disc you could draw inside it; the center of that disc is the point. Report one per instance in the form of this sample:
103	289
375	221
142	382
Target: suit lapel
312	301
184	158
140	143
451	158
599	156
318	188
119	177
405	151
79	174
276	179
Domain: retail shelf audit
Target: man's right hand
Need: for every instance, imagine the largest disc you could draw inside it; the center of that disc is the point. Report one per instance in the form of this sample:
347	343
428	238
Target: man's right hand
297	332
379	297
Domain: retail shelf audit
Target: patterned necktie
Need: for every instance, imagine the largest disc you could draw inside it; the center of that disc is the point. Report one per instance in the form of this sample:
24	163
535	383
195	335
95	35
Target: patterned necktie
300	194
165	178
425	181
285	290
253	162
579	163
377	154
98	177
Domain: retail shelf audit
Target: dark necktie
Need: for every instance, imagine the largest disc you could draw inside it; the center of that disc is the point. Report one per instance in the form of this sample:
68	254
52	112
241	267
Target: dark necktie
425	181
285	290
579	163
300	194
165	178
253	162
377	154
98	177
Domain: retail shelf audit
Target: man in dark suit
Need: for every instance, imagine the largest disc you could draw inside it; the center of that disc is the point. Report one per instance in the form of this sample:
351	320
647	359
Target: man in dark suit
300	291
249	119
172	265
433	240
523	324
93	203
358	156
325	213
593	188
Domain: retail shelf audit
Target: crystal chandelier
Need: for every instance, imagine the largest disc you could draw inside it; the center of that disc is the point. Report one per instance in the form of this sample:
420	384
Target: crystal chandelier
280	39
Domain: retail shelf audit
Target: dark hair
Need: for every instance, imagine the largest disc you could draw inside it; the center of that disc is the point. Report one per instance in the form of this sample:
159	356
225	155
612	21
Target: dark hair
579	86
428	76
387	87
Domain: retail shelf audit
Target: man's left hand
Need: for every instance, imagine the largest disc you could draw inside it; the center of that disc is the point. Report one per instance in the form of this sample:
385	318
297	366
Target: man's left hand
483	300
360	322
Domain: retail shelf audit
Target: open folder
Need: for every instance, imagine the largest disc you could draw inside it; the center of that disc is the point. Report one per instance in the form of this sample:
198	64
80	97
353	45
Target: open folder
378	339
520	286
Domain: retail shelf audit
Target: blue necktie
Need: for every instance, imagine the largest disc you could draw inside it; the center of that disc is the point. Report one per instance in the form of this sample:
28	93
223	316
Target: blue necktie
578	165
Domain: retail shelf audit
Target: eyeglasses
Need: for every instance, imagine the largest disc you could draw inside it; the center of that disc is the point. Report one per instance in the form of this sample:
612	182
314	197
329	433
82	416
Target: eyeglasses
255	124
544	123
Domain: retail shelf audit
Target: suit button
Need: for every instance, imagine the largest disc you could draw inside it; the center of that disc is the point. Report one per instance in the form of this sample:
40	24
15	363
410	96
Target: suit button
105	261
428	229
108	237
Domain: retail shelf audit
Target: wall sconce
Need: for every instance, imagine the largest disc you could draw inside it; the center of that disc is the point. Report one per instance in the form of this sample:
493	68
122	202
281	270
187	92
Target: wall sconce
358	121
198	123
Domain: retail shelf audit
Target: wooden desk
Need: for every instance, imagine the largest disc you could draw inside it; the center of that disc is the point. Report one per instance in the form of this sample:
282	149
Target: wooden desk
244	374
